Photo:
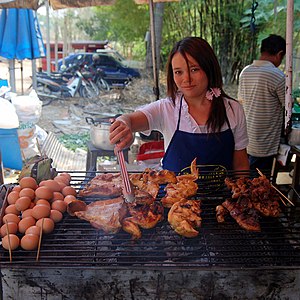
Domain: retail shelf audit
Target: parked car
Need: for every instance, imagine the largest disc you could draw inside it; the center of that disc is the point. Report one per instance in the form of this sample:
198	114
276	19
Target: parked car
116	74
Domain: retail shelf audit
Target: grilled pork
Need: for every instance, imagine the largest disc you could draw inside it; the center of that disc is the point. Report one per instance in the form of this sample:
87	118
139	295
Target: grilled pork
104	185
247	218
106	215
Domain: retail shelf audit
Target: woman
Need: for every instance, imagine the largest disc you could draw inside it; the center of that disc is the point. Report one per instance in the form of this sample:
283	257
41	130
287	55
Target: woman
197	119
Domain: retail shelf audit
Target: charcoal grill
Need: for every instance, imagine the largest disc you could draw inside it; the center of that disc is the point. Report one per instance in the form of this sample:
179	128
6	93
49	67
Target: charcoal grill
219	251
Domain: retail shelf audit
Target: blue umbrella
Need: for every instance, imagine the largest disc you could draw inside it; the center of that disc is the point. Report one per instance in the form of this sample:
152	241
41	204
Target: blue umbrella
20	35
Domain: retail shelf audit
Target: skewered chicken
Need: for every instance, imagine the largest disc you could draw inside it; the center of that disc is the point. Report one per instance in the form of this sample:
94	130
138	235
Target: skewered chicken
260	193
184	217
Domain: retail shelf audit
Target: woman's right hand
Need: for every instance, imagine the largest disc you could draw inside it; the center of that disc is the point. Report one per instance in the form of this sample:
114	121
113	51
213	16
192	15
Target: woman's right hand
120	135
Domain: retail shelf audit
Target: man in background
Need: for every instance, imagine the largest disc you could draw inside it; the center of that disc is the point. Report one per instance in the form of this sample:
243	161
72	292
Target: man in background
262	93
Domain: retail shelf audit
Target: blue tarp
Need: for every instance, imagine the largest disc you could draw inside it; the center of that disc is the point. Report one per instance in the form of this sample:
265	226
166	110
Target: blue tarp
20	35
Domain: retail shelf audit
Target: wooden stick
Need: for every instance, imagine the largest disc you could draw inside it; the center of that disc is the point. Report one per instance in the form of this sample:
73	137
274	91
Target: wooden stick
40	241
276	189
8	238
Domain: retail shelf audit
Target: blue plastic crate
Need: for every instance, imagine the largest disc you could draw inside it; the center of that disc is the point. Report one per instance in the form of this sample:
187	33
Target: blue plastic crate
10	149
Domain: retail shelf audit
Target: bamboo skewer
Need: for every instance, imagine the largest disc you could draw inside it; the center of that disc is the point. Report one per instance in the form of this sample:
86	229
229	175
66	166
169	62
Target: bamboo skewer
9	245
277	190
40	241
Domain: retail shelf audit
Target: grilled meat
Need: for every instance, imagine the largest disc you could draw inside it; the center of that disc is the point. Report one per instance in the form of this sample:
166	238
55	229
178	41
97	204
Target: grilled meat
247	218
159	177
106	215
177	191
259	192
104	185
184	217
221	212
151	187
132	228
193	176
144	216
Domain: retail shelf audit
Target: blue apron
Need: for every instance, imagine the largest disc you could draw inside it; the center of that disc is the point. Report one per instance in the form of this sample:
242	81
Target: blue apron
210	149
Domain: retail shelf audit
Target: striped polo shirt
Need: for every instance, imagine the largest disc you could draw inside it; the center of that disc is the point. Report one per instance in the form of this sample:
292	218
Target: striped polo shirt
262	93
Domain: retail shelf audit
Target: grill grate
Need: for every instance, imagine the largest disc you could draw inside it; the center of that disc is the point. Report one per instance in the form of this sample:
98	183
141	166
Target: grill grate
75	243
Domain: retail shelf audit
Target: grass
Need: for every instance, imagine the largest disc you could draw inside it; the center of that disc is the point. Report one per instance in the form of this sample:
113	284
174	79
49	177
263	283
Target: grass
75	141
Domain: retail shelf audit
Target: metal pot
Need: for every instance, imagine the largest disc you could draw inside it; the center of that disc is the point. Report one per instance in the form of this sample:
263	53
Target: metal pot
99	132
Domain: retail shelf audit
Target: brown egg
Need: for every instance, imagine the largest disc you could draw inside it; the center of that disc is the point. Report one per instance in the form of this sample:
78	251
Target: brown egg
12	197
44	202
41	211
26	223
65	174
58	196
69	198
23	203
59	205
27	192
27	213
30	241
11	218
32	204
34	230
17	188
48	225
11	209
62	179
12	240
69	190
28	182
51	184
62	185
56	215
43	192
12	228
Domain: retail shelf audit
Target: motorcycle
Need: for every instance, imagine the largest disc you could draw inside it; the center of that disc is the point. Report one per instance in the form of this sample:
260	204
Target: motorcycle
98	77
50	88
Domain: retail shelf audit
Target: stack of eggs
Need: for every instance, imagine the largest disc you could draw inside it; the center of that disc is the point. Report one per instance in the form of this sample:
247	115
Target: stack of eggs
33	209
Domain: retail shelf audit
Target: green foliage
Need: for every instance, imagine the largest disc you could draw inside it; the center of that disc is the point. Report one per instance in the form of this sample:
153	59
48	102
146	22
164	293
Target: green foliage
74	141
123	22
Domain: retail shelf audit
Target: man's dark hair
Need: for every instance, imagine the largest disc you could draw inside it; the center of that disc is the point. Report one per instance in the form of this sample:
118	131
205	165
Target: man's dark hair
273	44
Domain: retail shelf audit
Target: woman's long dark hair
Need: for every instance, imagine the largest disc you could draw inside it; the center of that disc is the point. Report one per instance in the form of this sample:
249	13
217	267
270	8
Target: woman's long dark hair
202	52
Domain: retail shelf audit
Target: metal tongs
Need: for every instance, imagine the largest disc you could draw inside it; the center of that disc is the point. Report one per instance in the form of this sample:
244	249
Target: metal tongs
127	188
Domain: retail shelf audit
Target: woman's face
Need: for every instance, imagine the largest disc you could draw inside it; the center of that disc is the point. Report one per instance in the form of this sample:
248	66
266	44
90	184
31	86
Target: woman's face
190	79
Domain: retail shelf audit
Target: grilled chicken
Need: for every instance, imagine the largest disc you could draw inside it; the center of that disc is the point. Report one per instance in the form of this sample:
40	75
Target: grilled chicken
159	177
177	191
144	216
132	228
184	217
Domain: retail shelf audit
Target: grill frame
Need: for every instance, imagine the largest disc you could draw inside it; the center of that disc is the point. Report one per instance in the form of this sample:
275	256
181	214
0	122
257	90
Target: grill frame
65	247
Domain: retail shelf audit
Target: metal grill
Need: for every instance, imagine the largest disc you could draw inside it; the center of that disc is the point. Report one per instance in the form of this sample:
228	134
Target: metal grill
75	243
